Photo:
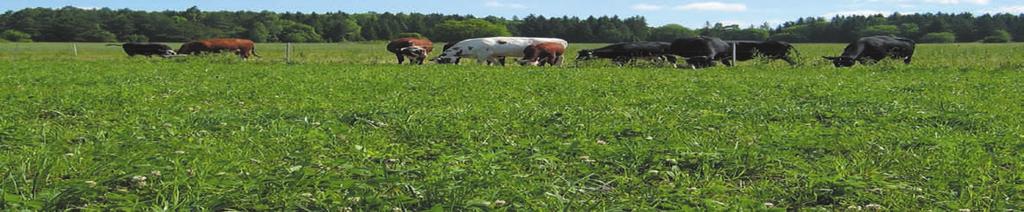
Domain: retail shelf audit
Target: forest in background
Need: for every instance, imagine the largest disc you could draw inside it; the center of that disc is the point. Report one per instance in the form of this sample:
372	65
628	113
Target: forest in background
70	24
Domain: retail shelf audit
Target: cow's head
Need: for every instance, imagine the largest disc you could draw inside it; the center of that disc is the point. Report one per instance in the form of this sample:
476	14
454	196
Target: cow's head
190	48
528	62
585	54
700	62
450	56
168	53
414	51
842	61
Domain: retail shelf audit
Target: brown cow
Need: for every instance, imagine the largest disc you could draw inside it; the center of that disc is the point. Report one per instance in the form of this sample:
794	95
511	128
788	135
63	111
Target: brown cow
414	48
543	53
243	47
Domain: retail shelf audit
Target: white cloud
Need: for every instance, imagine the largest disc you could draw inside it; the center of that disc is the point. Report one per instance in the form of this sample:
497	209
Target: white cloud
496	4
646	7
980	2
856	13
1018	9
713	6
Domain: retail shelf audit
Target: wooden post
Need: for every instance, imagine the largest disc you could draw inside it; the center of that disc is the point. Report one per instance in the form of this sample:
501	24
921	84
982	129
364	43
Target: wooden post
288	53
74	47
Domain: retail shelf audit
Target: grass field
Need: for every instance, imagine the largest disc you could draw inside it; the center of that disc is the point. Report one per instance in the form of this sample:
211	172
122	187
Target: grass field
342	128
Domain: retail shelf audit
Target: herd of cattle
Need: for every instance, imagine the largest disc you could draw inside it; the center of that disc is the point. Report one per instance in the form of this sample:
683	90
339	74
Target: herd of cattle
697	52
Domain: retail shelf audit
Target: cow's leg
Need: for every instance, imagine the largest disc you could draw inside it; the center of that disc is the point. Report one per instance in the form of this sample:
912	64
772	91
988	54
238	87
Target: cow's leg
620	61
671	60
401	58
501	60
789	60
727	62
909	58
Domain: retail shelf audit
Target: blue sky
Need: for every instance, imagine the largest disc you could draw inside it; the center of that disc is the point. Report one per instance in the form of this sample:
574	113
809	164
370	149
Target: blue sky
692	13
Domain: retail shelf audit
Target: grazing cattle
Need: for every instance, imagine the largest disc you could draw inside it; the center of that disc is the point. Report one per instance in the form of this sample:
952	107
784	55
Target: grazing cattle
243	47
701	52
543	53
871	49
775	50
622	53
146	49
414	48
490	50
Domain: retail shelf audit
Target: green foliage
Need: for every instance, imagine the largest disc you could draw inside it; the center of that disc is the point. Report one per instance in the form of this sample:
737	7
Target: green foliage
298	33
136	38
453	30
938	37
15	36
999	36
880	30
670	32
96	35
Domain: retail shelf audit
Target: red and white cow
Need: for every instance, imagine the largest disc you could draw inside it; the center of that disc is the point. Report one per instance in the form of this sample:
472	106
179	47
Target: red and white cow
543	53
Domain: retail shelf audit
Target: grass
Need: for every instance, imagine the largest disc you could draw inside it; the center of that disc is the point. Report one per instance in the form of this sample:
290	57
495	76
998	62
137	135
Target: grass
343	128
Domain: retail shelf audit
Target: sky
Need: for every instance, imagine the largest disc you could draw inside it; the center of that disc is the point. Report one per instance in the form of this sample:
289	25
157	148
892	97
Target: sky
691	13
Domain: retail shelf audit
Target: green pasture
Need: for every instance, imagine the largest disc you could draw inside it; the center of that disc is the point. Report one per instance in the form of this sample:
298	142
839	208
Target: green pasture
341	128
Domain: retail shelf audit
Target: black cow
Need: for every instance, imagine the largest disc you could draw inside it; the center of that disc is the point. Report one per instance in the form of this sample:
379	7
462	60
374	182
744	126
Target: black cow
872	49
628	52
146	49
703	51
774	50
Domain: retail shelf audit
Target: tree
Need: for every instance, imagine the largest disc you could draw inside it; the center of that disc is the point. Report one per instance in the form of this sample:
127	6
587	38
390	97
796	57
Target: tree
297	32
670	32
96	35
938	37
999	36
453	30
880	30
15	36
136	38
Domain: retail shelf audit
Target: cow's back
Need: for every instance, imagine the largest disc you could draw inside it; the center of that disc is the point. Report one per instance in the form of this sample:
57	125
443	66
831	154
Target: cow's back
229	43
395	45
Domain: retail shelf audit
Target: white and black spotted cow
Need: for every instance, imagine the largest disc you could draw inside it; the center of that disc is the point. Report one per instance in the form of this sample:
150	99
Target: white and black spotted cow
491	50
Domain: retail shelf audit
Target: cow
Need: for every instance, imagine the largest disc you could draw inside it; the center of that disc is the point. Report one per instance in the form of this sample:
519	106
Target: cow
243	47
703	51
623	53
870	49
490	50
773	50
501	60
550	53
146	49
414	48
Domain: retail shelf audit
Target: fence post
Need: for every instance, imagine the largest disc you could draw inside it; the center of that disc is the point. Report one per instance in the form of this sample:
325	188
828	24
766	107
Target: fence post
288	53
74	47
734	53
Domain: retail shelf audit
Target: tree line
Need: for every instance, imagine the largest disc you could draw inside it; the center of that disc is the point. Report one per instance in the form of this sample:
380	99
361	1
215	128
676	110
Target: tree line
70	24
